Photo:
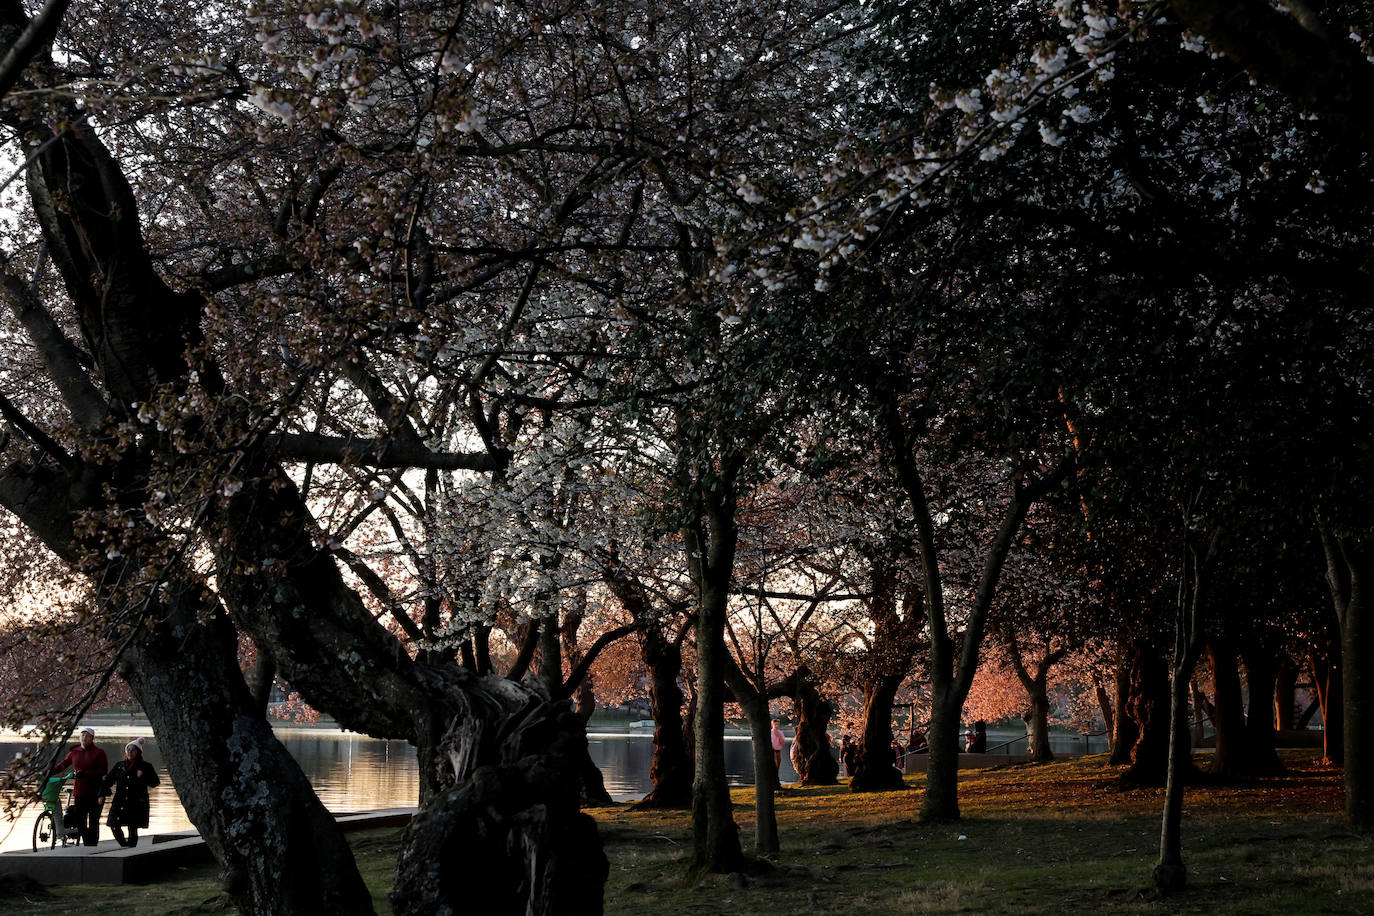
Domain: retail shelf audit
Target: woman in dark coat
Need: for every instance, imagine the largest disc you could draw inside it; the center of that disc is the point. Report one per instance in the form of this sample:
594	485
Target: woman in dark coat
131	779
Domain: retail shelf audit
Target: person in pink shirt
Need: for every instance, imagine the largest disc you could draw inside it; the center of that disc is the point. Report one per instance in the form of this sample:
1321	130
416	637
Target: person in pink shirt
777	737
90	765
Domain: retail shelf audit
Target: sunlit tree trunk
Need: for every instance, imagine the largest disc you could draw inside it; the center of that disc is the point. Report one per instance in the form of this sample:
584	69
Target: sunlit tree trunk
1036	685
1326	679
1285	694
817	765
1150	709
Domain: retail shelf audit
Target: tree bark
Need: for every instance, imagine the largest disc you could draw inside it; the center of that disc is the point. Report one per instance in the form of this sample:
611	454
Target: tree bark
1170	874
1326	677
1038	734
1261	669
816	763
1150	709
1126	731
510	824
1036	685
1285	694
874	765
1107	709
1348	562
237	782
280	585
941	800
1232	750
711	552
670	767
755	705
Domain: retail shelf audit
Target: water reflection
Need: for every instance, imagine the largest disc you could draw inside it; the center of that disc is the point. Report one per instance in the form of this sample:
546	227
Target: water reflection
355	773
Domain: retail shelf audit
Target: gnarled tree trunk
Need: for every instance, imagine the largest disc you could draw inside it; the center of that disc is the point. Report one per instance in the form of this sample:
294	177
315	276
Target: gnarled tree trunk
670	766
1149	708
875	767
509	828
816	763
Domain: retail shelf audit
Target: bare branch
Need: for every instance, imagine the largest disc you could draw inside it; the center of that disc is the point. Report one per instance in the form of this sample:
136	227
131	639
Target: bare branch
382	453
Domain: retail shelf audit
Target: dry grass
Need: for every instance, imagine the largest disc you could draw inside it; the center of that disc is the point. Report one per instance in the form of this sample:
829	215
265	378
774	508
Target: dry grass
1036	840
1049	839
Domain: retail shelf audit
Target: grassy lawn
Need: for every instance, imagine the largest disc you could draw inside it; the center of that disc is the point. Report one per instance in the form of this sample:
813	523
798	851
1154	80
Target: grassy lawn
1050	839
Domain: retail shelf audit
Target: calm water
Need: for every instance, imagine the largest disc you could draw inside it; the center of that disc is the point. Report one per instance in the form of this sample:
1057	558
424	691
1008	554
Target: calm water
354	773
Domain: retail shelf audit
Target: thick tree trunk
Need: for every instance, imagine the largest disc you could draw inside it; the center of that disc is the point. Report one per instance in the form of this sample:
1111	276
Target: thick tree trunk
1149	707
1357	693
715	835
509	827
670	766
486	729
277	846
875	767
1349	560
1107	709
1261	669
1232	750
816	763
237	783
1038	734
940	803
1126	731
1036	685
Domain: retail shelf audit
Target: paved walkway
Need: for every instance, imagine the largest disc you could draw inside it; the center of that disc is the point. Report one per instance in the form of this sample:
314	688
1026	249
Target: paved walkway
154	857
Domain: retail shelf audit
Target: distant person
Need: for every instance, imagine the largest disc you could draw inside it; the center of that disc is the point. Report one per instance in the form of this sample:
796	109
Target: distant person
89	764
979	742
918	743
777	738
130	779
848	748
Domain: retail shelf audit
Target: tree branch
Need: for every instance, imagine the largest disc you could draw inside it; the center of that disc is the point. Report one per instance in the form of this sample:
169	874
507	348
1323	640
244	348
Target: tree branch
36	35
1329	77
377	453
59	355
584	665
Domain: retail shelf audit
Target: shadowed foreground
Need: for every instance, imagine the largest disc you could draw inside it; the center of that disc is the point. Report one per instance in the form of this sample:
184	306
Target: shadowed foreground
1048	839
